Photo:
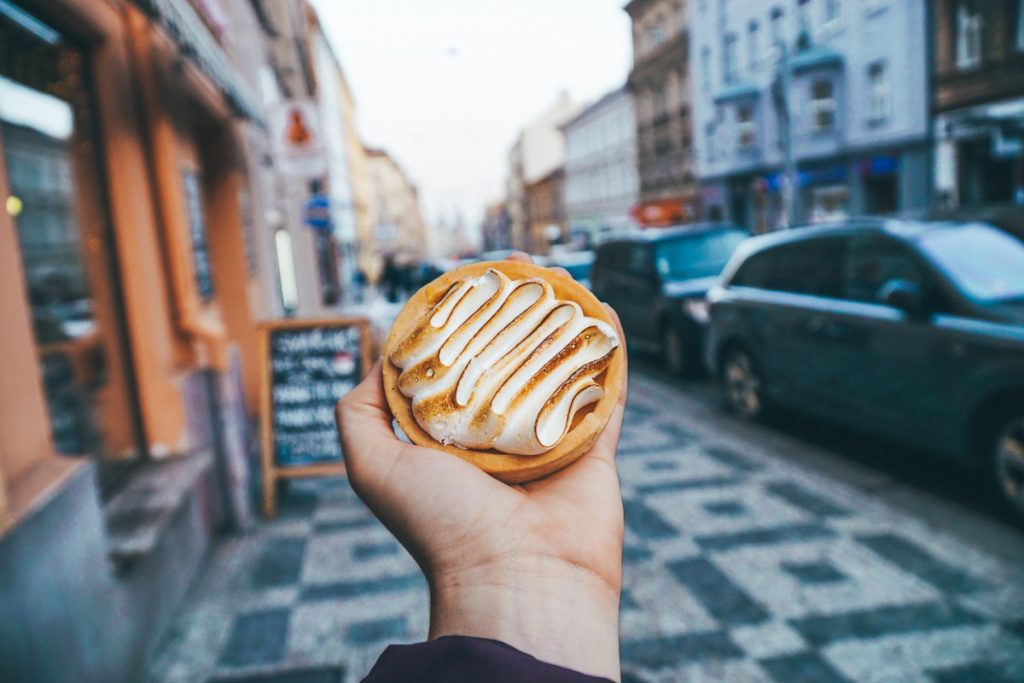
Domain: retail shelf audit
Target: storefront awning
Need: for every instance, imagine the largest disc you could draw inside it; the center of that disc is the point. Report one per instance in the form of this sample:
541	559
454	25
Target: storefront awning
189	33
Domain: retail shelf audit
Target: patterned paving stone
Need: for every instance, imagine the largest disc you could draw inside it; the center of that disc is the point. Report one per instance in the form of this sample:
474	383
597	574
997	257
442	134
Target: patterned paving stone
685	484
881	621
919	562
731	458
365	632
256	638
722	598
803	667
635	553
645	522
669	650
345	525
725	508
813	572
332	674
983	672
370	550
770	536
795	494
280	564
350	589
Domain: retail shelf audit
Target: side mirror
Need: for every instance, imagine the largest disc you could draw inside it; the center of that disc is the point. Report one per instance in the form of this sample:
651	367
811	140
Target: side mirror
904	295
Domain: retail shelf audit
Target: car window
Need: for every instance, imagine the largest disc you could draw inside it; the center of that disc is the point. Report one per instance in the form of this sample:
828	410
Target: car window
639	260
702	254
983	262
809	267
755	271
610	257
873	261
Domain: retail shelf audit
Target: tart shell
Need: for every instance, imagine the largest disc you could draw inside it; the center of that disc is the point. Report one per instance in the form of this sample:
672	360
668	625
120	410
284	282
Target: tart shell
511	469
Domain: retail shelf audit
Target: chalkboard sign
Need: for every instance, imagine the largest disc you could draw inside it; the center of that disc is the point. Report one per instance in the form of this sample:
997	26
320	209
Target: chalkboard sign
197	230
309	365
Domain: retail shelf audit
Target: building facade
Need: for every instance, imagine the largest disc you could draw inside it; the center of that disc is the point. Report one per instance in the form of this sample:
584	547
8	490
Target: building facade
841	85
399	231
660	84
978	100
601	181
538	151
130	295
546	201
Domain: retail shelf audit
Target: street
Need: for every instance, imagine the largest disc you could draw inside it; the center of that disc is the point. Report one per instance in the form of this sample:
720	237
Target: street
790	552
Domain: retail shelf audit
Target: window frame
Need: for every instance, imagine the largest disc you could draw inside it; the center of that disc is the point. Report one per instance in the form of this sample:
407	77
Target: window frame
969	38
746	130
880	102
823	105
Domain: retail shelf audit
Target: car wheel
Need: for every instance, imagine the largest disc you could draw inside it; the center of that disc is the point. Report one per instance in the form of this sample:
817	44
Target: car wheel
743	384
673	352
1006	458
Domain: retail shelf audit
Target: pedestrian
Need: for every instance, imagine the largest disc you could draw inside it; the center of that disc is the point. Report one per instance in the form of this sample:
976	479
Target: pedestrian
389	278
524	580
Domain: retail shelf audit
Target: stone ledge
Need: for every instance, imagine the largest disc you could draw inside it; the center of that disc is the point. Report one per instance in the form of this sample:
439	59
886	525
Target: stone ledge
137	517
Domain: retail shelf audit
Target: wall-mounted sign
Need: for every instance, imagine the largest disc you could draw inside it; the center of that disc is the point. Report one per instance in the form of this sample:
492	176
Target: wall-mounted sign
298	138
197	231
317	213
308	366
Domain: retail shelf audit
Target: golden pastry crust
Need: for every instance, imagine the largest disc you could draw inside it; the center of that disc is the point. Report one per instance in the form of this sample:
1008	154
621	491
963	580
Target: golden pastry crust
511	469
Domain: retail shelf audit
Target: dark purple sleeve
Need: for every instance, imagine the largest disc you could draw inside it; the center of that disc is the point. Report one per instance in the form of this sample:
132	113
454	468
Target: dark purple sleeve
453	659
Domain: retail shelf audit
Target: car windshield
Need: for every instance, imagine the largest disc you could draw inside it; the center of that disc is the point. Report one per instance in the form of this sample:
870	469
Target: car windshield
985	262
700	255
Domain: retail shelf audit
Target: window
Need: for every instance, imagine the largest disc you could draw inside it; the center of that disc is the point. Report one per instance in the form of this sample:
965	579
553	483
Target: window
823	106
778	30
804	19
812	267
639	260
729	58
658	103
700	255
968	34
709	134
1020	25
872	262
754	45
656	33
880	92
705	67
756	271
832	11
746	129
985	263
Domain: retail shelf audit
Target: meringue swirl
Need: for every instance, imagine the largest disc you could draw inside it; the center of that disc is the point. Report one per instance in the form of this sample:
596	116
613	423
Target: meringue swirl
502	364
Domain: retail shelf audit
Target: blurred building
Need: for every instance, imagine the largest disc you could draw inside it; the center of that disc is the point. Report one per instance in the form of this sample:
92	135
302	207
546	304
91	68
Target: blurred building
131	268
538	150
856	105
495	230
601	181
978	100
398	230
660	84
546	202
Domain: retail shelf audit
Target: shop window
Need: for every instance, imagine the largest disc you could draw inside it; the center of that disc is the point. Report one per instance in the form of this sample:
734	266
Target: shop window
823	106
56	202
746	129
968	34
879	92
830	203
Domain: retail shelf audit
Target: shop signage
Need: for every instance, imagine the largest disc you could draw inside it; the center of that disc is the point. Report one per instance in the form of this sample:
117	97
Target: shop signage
298	138
308	366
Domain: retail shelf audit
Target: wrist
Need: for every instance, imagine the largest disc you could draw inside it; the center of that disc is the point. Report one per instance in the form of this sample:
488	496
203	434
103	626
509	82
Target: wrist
556	611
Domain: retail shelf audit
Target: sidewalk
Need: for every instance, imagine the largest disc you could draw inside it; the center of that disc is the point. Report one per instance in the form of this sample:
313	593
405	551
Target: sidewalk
739	567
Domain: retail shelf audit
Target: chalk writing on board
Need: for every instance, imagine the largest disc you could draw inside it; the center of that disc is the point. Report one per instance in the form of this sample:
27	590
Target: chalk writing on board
311	370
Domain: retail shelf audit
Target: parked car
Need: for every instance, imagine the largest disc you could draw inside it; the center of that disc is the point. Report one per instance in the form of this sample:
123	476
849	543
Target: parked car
914	330
657	280
578	263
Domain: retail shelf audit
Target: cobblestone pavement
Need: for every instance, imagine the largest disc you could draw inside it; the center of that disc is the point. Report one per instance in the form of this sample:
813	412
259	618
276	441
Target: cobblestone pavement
739	566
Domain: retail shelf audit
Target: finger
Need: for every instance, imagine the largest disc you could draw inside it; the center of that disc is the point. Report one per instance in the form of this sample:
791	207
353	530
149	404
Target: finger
368	442
519	256
561	271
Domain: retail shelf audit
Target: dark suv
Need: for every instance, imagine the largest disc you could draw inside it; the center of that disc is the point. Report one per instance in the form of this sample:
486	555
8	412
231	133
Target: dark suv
914	330
656	281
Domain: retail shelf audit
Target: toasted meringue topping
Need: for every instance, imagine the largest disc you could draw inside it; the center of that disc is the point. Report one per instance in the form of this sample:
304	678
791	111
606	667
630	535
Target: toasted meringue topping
502	364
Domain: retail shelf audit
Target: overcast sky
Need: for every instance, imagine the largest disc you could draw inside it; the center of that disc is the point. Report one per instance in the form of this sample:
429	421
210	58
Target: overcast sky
444	85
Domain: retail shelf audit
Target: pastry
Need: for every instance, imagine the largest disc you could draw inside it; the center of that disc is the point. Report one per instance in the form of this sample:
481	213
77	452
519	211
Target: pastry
511	366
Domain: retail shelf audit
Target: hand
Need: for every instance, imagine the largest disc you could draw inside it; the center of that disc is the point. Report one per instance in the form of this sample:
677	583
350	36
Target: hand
537	566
